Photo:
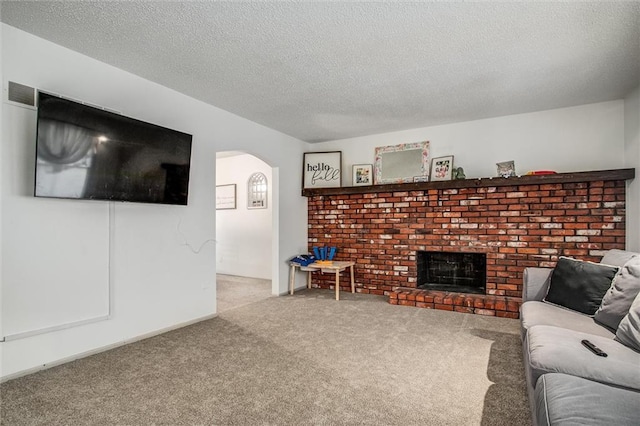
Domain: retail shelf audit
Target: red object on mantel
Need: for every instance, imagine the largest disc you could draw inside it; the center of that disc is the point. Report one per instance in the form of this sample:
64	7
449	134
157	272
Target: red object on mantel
541	172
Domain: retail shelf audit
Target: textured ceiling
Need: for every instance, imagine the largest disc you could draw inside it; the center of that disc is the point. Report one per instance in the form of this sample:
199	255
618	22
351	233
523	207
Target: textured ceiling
331	70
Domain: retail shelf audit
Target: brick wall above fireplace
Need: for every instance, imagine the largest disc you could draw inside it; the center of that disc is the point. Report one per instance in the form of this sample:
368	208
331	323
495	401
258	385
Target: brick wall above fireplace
516	226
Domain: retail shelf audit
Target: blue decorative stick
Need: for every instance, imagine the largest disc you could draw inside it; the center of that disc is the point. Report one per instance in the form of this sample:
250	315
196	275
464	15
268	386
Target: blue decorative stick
332	253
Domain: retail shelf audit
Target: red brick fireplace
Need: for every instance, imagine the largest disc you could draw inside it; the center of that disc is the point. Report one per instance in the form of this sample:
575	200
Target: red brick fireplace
515	222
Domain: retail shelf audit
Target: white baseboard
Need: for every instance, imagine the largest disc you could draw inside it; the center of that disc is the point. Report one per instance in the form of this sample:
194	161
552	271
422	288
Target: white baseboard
31	333
103	349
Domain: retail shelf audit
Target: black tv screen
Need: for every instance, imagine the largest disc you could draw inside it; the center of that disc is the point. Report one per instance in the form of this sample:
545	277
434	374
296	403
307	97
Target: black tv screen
89	153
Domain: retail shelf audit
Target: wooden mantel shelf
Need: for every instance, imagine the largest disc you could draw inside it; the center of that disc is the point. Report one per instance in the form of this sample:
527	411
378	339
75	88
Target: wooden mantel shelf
605	175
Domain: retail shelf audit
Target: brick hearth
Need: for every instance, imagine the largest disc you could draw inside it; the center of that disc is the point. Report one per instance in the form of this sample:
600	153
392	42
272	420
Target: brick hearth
516	226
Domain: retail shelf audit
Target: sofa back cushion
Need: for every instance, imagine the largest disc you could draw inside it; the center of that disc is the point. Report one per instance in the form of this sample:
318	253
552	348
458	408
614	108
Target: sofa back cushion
628	332
579	285
618	299
617	257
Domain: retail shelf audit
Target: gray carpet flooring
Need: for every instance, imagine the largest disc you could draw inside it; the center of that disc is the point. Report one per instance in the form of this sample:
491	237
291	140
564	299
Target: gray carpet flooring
233	291
305	359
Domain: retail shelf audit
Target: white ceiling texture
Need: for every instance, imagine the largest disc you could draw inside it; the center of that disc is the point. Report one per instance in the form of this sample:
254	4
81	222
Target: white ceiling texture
331	70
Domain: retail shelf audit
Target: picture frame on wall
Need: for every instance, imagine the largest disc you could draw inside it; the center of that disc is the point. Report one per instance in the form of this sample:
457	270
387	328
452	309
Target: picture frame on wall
362	174
442	168
226	197
506	169
322	169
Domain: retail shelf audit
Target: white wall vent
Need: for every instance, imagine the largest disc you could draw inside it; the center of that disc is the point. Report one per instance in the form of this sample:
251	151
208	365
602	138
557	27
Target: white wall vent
22	94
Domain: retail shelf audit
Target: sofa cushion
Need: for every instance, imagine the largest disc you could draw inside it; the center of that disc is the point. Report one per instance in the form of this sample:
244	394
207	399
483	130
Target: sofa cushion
618	299
628	332
562	399
615	257
551	349
579	285
535	283
539	313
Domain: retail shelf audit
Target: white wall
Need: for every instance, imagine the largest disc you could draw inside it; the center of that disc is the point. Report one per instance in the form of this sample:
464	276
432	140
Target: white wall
1	183
632	159
243	236
159	259
582	138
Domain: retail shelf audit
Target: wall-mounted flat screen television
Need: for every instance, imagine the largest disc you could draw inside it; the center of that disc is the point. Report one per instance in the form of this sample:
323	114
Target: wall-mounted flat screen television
89	153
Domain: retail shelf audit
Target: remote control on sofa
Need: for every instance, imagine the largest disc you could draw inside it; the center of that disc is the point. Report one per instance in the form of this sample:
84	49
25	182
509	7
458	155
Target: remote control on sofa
593	348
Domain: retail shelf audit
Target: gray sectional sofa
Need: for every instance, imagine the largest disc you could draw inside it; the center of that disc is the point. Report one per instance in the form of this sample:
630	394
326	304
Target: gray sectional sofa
567	383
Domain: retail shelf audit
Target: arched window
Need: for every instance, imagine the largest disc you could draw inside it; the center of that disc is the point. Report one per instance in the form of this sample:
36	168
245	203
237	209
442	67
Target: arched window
257	191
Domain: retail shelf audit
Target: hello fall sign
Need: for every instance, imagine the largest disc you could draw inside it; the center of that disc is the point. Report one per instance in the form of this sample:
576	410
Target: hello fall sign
322	170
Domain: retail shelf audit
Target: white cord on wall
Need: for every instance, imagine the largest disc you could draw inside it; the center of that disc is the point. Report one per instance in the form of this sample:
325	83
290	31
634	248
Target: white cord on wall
110	267
30	333
186	243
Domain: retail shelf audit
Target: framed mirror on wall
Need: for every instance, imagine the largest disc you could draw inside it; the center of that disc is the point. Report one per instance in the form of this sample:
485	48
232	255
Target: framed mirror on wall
257	191
401	163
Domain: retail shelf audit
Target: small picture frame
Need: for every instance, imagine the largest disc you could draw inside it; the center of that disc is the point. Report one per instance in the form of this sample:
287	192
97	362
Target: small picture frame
362	174
441	168
322	169
506	169
226	197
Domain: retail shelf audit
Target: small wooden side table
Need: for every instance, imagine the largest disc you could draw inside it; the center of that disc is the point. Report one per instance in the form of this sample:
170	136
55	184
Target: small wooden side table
336	267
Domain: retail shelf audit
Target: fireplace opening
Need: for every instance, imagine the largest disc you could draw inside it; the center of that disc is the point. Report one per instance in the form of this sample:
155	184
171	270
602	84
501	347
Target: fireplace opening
451	271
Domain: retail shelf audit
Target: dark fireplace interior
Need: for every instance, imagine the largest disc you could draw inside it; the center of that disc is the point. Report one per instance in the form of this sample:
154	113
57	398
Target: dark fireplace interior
451	271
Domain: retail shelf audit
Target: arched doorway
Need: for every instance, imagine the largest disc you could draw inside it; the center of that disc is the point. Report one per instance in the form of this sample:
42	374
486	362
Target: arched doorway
246	238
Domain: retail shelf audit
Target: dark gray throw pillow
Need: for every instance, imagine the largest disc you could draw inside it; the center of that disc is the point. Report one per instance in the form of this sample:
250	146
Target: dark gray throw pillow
618	299
579	285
